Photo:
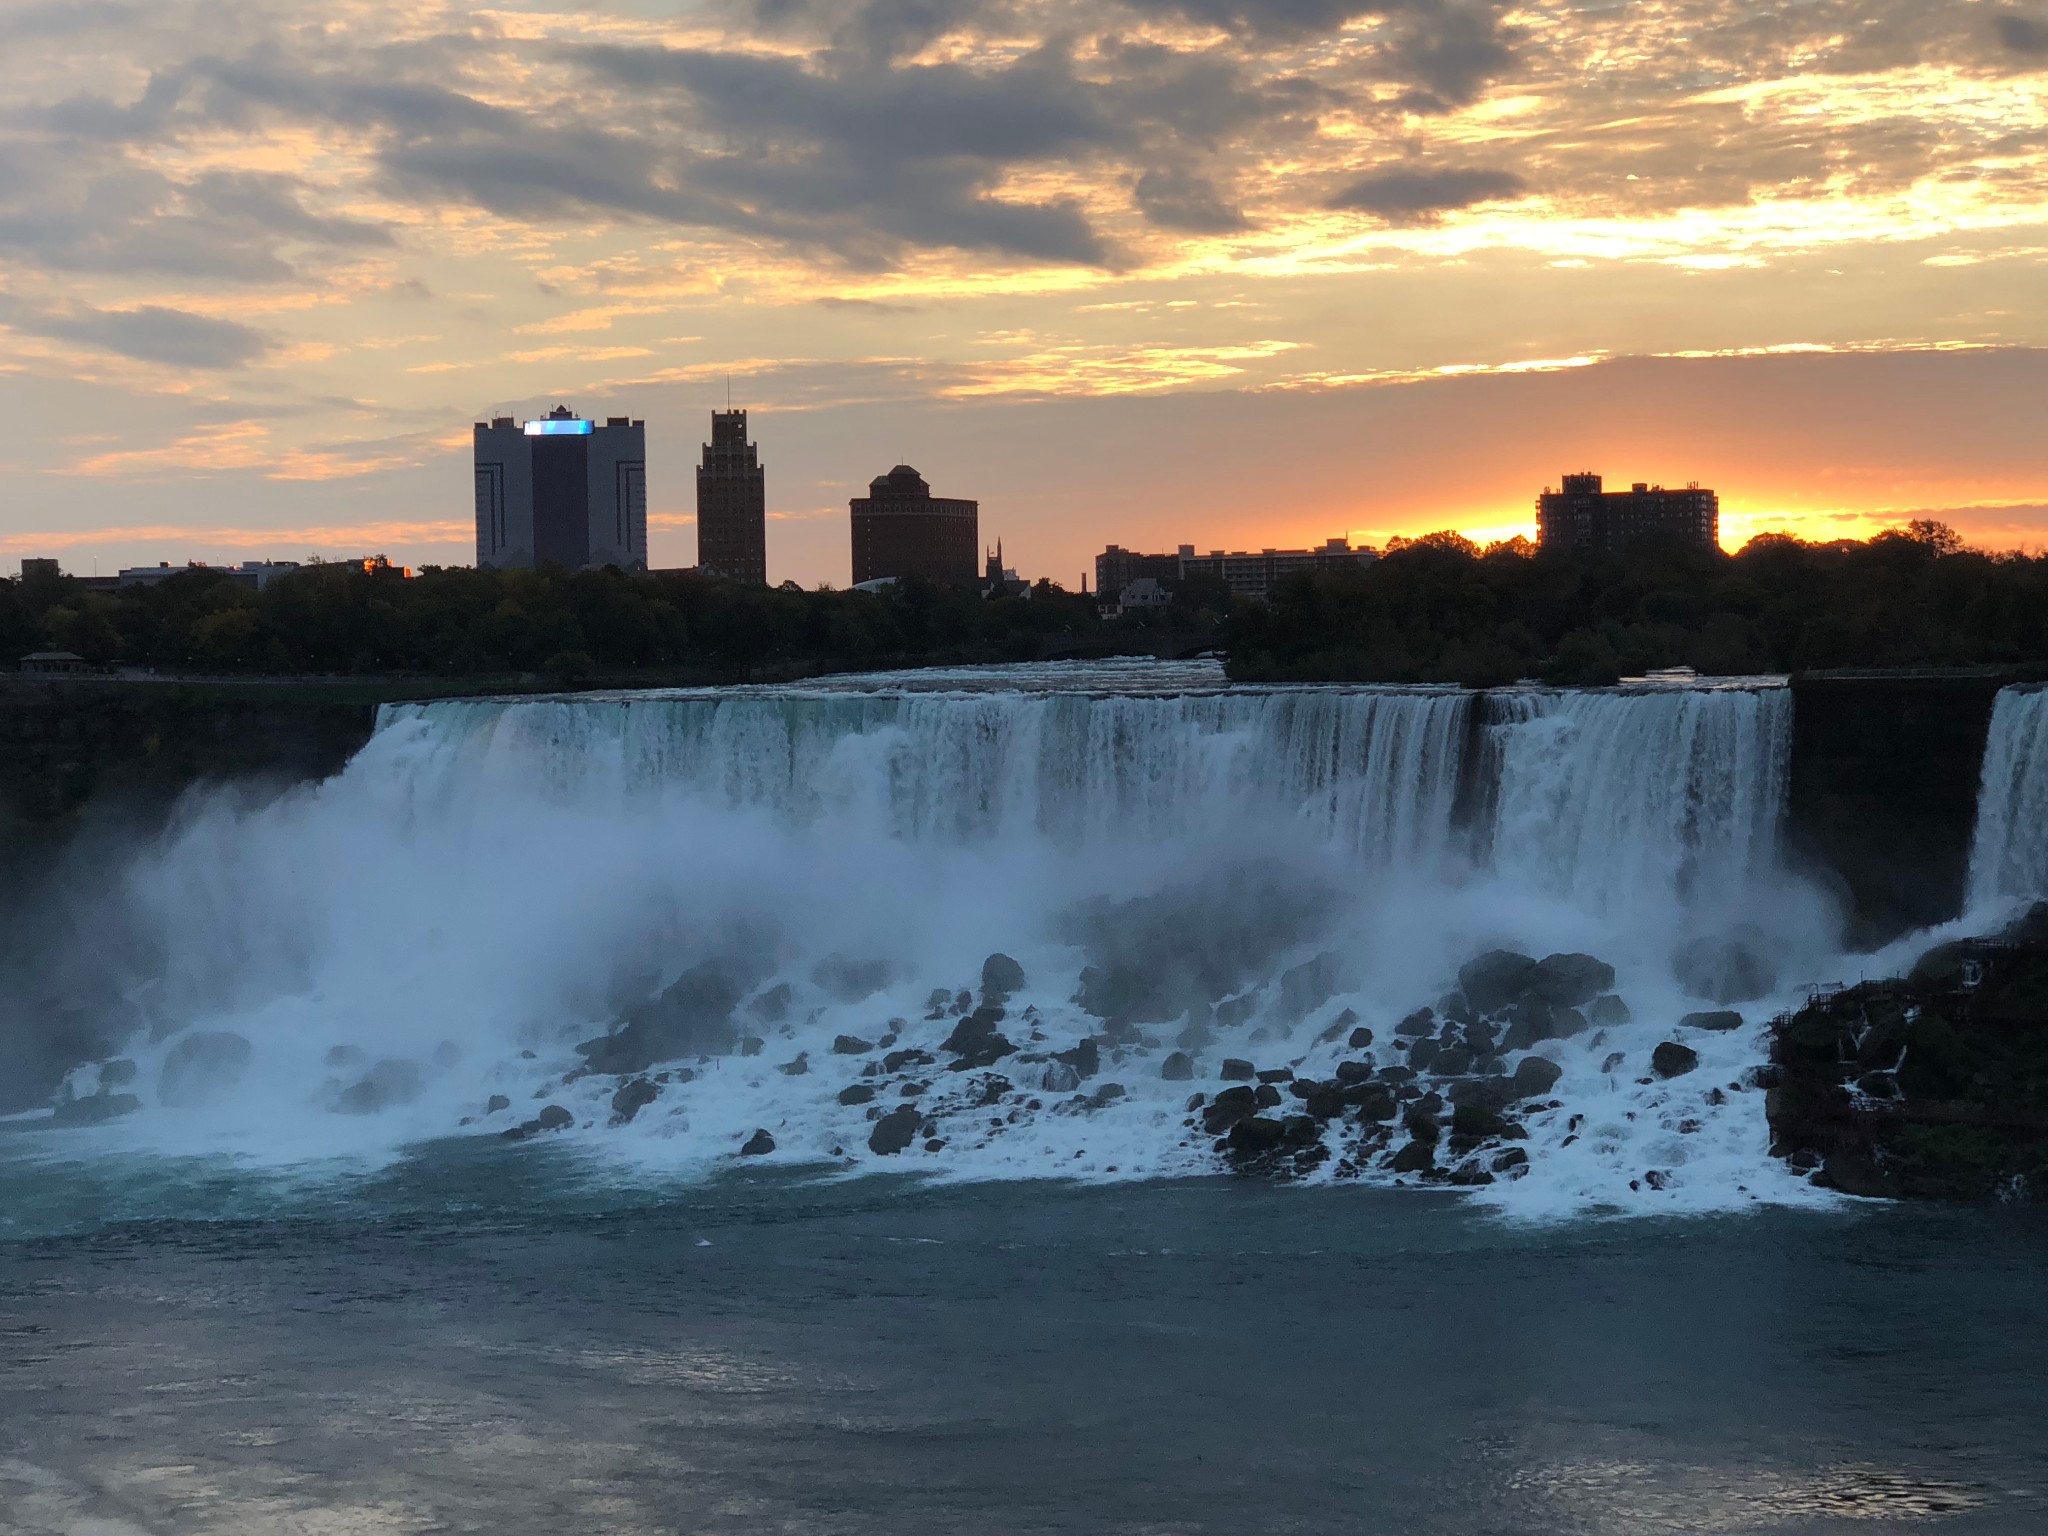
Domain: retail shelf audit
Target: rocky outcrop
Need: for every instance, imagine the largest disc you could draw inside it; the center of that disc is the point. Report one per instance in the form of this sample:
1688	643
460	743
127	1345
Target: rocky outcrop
1931	1086
692	1017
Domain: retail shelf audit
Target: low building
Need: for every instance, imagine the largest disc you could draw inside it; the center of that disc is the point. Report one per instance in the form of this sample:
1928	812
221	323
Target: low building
901	529
1246	573
1580	515
55	664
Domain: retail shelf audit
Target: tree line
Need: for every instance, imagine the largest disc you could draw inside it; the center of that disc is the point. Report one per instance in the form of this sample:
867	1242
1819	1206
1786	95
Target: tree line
1440	609
565	626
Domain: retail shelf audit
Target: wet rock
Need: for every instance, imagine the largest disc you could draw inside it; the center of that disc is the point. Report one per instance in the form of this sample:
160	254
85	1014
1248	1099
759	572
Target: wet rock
495	1103
1470	1173
1415	1157
1000	976
1535	1076
95	1109
1452	1061
1178	1068
1337	1027
1513	1157
760	1144
1658	1178
1726	967
772	1006
1349	1072
1569	980
1495	979
389	1083
1422	1054
1228	1107
1718	1019
896	1061
1107	1094
1673	1060
1359	1038
1373	1101
631	1098
554	1118
1608	1012
1236	1071
1193	1037
1085	1058
1306	987
201	1068
850	1045
1267	1095
1059	1077
858	1093
1254	1137
752	1045
894	1131
1479	1040
1276	1075
1397	1074
850	981
1419	1023
797	1067
693	1017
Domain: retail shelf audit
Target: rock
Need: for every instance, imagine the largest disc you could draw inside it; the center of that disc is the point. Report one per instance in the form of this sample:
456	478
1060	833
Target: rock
896	1061
95	1108
1228	1107
760	1144
858	1093
1495	979
1608	1012
1535	1076
496	1102
1568	980
1468	1174
1513	1157
772	1006
1349	1072
1450	1062
1250	1138
1422	1054
1235	1071
693	1017
1726	967
1359	1039
1419	1023
1267	1095
1178	1068
631	1098
1306	987
555	1118
1373	1101
850	1045
1193	1037
798	1067
202	1068
1337	1028
1494	1093
894	1131
1717	1019
852	980
1106	1094
390	1082
1000	976
1276	1075
1673	1060
1085	1058
1059	1077
1479	1040
1415	1157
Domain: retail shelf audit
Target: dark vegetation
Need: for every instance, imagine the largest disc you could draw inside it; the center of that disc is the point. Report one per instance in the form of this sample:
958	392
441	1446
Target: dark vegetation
1438	609
562	626
1933	1086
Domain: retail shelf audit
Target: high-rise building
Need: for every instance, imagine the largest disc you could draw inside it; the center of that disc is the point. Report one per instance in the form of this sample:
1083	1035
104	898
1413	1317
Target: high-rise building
901	529
1582	516
732	504
563	491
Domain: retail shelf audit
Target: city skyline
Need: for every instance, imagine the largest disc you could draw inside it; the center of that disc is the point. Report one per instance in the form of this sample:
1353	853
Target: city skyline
259	280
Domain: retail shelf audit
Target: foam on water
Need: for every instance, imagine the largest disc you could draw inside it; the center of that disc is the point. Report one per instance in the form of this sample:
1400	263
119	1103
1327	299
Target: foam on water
490	882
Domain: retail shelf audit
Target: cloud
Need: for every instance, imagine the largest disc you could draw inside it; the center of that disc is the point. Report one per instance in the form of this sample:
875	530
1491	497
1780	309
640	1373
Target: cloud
1420	196
1182	200
149	333
2021	34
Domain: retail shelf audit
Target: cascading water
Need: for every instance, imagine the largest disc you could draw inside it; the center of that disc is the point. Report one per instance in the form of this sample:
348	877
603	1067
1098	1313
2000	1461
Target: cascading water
1187	876
2009	853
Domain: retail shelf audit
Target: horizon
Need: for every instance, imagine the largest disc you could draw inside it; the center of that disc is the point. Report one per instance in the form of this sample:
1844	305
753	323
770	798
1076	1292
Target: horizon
1240	275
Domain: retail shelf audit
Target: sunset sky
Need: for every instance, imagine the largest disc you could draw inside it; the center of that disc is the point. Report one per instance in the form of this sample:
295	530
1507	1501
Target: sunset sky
1236	273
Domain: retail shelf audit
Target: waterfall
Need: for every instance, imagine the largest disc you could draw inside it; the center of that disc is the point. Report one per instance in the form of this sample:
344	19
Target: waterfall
2009	853
420	946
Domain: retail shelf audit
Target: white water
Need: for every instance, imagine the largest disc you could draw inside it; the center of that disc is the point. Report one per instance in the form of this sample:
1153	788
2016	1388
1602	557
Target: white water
2009	855
490	882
